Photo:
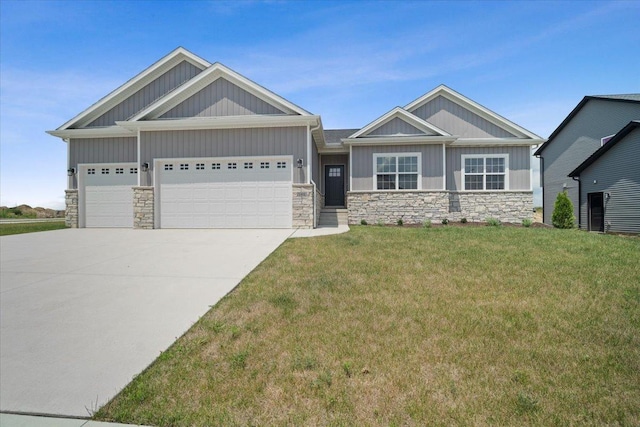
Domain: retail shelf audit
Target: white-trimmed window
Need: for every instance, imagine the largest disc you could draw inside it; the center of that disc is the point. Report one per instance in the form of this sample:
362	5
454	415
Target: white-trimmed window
485	172
397	171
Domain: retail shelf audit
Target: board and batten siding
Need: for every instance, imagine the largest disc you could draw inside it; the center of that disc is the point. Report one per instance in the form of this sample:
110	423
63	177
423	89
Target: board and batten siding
102	150
616	172
576	141
519	165
457	120
397	126
362	164
205	143
144	97
334	159
220	98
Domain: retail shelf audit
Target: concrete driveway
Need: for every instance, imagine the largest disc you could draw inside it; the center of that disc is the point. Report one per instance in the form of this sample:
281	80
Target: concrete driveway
83	311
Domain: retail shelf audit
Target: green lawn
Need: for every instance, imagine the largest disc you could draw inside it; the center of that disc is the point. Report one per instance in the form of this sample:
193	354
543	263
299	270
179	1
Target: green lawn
412	326
7	229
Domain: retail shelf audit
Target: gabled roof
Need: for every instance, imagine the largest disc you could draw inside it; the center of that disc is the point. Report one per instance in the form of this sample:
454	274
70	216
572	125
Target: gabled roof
472	106
405	116
139	81
606	147
631	97
207	77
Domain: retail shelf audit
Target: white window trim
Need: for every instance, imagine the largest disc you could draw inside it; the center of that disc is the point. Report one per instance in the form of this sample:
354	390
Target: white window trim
505	156
396	155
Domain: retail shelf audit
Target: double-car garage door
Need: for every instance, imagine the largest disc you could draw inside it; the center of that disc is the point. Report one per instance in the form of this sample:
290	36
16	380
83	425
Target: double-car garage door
225	192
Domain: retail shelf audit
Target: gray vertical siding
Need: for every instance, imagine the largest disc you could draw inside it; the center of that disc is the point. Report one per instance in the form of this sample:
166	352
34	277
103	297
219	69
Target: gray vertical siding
148	94
456	120
221	98
103	150
362	163
577	141
519	164
616	172
335	159
226	142
397	126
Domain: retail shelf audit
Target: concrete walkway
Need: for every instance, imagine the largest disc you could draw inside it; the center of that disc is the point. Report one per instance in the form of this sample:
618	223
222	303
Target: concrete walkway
13	420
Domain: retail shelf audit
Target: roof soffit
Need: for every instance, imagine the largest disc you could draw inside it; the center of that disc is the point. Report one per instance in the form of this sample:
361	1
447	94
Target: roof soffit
133	85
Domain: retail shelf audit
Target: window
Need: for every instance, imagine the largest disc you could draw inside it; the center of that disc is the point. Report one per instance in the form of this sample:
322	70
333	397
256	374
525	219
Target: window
396	171
168	167
232	165
105	171
248	165
199	166
215	166
485	172
91	171
264	165
334	172
133	170
184	166
281	165
119	171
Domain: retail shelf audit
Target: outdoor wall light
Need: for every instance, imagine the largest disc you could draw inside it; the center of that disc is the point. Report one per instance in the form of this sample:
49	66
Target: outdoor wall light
299	162
144	167
607	196
71	171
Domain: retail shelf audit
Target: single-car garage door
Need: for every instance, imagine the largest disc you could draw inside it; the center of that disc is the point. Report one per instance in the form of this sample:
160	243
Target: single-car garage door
225	192
106	194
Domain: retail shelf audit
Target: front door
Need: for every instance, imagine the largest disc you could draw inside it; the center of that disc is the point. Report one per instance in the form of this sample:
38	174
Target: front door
596	212
334	185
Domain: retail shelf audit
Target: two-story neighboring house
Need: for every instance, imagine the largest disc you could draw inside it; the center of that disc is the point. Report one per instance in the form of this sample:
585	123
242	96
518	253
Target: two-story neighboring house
591	124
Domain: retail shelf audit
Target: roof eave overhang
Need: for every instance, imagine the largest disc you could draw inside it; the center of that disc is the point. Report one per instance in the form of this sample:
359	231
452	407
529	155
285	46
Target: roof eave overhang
493	142
101	132
399	140
226	122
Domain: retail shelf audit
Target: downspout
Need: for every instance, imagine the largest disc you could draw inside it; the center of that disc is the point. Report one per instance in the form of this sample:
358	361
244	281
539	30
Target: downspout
579	200
309	167
541	182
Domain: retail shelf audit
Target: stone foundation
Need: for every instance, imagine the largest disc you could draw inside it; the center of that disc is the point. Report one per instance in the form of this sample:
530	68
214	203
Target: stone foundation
143	208
302	206
71	208
414	207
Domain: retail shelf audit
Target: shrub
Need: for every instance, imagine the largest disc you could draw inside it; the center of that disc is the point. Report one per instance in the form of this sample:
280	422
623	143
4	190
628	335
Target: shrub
380	223
426	223
363	222
400	222
445	221
562	216
463	220
526	222
493	222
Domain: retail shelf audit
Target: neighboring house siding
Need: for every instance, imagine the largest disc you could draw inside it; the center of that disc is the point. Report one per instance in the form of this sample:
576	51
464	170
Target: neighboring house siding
519	164
577	141
362	163
457	120
617	172
226	143
397	126
148	94
221	98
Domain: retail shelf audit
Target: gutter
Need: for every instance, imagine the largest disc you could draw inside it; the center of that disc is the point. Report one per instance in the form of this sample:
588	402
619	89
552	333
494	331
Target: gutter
579	201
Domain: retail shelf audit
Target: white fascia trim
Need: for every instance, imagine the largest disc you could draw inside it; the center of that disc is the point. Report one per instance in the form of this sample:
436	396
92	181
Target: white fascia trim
494	142
333	149
226	122
400	140
204	79
473	106
146	76
101	132
404	115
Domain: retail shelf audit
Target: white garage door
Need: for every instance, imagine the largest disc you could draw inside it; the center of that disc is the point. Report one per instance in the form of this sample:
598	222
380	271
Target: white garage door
107	194
225	192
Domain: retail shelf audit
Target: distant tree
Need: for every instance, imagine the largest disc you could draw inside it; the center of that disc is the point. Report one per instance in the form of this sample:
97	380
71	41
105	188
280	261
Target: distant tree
563	212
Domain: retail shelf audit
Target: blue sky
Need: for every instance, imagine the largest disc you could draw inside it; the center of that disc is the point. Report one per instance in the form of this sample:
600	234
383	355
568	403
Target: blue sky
350	62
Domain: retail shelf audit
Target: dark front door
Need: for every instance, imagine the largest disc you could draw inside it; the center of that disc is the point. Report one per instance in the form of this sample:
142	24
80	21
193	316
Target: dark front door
334	185
596	212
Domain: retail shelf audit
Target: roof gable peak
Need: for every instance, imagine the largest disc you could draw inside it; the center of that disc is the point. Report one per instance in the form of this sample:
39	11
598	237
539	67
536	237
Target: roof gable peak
402	114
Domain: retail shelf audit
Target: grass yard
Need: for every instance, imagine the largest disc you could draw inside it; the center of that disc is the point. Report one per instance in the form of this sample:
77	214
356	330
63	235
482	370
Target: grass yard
412	326
32	227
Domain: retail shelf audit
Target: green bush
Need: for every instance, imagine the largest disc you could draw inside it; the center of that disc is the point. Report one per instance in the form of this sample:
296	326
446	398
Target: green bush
493	222
526	222
400	222
363	222
563	212
463	220
445	221
426	223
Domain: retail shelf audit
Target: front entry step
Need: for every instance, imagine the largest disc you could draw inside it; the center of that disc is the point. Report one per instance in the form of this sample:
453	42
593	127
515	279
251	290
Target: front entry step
333	217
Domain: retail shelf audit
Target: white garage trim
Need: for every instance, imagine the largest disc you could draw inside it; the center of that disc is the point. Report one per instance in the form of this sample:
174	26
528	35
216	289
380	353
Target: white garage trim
105	194
224	192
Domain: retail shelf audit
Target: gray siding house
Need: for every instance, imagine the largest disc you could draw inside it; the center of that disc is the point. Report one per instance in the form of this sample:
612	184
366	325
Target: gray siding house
190	144
609	184
592	122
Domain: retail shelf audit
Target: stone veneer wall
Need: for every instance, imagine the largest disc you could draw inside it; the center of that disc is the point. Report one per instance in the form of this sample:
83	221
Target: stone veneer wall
143	208
71	208
414	207
302	206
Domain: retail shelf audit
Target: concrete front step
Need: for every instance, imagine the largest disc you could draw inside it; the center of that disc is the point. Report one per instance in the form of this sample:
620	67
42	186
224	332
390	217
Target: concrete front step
333	217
